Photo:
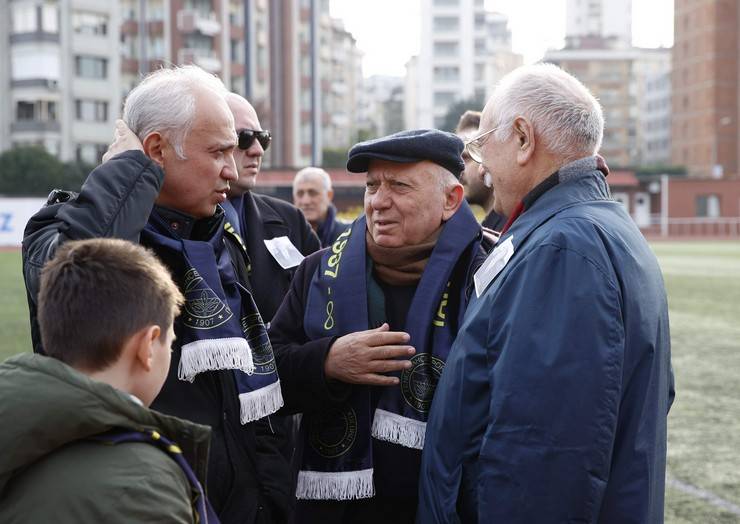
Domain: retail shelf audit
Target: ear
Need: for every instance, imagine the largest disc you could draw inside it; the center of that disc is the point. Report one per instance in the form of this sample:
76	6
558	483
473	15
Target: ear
145	340
330	194
524	132
154	145
454	196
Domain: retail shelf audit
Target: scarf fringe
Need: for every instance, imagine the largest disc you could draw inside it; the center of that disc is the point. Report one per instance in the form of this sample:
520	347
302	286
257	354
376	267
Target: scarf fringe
335	485
214	354
261	402
398	429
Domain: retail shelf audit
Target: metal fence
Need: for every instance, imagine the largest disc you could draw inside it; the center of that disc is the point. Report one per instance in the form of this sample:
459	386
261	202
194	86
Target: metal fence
699	227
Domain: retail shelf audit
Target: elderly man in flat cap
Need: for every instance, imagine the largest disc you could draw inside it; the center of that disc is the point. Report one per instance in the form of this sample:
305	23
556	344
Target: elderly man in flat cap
363	334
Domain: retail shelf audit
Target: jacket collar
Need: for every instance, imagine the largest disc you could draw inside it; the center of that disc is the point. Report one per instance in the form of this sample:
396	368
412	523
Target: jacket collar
580	181
188	227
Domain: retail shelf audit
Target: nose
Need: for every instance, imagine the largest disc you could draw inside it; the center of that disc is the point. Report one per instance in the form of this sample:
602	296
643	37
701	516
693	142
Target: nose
255	150
381	199
229	171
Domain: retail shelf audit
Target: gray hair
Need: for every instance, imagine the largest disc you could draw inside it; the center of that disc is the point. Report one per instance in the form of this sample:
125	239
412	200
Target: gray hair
165	102
564	113
313	173
445	178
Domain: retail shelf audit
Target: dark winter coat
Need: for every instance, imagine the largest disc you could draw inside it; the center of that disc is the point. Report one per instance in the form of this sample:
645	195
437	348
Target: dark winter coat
248	478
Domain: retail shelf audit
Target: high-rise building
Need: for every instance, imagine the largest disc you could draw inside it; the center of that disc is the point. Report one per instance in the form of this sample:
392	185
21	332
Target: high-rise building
655	113
70	63
382	106
208	33
706	102
315	79
462	48
609	20
621	80
58	62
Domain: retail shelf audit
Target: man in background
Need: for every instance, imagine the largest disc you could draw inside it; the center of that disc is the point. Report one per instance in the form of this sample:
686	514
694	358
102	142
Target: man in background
258	218
313	194
478	186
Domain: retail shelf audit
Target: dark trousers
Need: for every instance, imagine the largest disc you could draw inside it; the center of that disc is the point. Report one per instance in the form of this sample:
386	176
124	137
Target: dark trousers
376	510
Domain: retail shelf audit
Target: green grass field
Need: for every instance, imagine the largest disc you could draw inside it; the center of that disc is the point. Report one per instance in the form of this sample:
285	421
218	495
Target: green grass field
703	283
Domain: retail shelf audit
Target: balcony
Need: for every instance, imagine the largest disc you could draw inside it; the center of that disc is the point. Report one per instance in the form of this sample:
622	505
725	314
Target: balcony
189	21
34	126
206	59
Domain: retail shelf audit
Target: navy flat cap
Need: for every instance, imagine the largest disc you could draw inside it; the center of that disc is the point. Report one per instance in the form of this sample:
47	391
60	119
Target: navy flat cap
444	149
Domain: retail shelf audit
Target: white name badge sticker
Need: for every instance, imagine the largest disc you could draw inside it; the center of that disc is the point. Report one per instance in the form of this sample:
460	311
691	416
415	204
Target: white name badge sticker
493	265
284	252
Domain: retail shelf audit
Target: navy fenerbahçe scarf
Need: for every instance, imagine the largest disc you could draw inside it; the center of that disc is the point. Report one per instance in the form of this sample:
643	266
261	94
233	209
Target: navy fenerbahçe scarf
222	328
337	458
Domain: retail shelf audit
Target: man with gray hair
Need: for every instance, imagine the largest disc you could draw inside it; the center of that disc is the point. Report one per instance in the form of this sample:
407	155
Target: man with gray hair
554	400
313	194
162	183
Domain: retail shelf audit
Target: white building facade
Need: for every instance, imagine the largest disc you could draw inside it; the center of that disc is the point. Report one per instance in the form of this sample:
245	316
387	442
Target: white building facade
57	71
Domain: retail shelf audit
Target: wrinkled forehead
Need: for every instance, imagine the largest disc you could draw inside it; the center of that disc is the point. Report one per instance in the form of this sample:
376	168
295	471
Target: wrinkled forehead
212	115
419	171
307	182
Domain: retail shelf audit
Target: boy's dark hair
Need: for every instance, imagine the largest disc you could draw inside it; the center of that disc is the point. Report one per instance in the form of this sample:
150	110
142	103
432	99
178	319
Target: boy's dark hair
95	294
467	120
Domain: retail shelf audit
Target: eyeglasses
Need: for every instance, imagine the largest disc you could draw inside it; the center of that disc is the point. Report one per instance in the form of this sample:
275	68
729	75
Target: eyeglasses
473	146
248	136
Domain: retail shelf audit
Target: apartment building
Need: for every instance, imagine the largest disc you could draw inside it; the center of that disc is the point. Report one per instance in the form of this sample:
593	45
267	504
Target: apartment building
57	69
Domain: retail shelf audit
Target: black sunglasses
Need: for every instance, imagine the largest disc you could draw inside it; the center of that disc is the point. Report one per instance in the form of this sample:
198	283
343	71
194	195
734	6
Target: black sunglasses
247	137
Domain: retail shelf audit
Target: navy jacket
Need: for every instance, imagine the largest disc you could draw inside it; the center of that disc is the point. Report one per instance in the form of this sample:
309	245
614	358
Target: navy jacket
553	403
262	218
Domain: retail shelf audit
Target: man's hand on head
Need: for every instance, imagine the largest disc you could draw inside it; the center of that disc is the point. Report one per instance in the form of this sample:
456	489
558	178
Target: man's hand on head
363	357
123	140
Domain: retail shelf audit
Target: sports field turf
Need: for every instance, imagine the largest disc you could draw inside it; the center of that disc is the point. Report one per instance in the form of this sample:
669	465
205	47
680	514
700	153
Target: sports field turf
703	283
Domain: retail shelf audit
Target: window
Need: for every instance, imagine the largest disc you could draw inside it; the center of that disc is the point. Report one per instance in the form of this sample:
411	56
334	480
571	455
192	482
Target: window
129	46
24	111
24	18
156	47
447	74
707	206
90	153
446	3
91	67
49	18
91	110
236	48
446	23
445	49
86	23
444	98
38	110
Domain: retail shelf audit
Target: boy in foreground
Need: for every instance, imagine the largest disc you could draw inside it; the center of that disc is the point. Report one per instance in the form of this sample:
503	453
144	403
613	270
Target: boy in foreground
79	443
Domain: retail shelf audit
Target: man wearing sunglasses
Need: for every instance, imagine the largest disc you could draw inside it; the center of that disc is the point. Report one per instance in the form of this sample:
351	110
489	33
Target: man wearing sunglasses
260	217
554	401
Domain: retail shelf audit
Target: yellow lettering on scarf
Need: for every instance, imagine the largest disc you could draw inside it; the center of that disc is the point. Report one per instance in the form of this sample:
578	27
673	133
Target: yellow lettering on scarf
337	247
440	320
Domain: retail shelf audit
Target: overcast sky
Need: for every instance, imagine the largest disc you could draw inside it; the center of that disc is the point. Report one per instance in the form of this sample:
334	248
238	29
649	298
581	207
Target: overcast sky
387	31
